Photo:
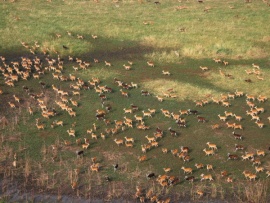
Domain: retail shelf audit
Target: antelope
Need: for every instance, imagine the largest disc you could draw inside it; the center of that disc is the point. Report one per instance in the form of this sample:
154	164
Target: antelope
119	142
152	111
259	169
17	99
94	168
255	66
212	146
256	118
256	161
30	110
85	146
183	112
11	105
209	152
238	147
215	100
150	63
166	72
134	85
127	67
206	177
167	170
142	158
79	36
260	153
230	125
260	124
252	176
148	114
238	93
222	118
209	167
172	132
127	110
237	136
199	103
40	126
259	110
199	166
238	118
225	103
159	98
268	174
94	136
108	64
186	170
128	144
71	132
261	98
125	94
225	63
229	180
150	139
228	113
259	77
174	152
58	123
164	150
74	103
237	126
204	68
215	126
138	118
249	72
217	60
250	97
129	139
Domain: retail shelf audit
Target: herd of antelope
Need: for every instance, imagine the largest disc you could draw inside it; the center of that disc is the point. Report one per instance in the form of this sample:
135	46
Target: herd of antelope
68	100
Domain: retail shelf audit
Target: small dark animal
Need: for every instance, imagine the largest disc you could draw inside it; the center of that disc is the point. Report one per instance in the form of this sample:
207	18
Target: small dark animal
194	112
157	2
232	156
150	175
108	179
79	153
145	93
200	1
43	85
25	88
190	178
248	80
201	119
115	167
237	136
173	133
65	47
134	108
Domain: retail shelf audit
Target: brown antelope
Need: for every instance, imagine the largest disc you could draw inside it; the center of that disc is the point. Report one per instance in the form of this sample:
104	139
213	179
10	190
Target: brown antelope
58	123
12	105
238	93
259	169
150	139
209	152
164	150
127	67
40	126
159	98
94	168
85	146
127	110
17	99
138	118
108	64
230	125
94	136
260	152
225	103
261	98
154	144
212	146
167	170
142	158
250	97
71	132
186	170
199	103
125	94
166	72
228	113
259	110
215	100
217	60
204	68
209	167
152	111
215	126
222	118
238	118
150	63
237	126
255	66
199	166
268	174
128	144
260	124
206	177
252	176
129	139
148	114
119	141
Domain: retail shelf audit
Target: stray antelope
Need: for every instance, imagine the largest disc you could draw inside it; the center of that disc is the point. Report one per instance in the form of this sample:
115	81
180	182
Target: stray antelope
150	63
204	68
199	166
85	146
166	72
108	64
209	167
142	158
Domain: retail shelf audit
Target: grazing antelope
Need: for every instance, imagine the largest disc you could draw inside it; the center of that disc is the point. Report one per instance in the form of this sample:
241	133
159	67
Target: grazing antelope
238	147
217	60
167	170
148	114
212	146
129	139
71	132
252	176
209	167
164	150
259	169
159	98
12	105
206	177
199	166
259	110
260	152
128	144
186	170
255	66
125	94
228	113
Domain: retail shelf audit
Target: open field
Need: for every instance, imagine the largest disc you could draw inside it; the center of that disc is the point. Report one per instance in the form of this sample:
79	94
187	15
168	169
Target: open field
86	63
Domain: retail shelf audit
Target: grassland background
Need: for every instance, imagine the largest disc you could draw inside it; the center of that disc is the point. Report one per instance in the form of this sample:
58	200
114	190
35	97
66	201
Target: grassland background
239	36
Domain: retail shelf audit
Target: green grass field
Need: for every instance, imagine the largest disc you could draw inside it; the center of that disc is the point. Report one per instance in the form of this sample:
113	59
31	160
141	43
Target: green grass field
178	37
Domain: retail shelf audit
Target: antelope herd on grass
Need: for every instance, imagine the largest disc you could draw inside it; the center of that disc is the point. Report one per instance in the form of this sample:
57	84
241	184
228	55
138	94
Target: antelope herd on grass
68	100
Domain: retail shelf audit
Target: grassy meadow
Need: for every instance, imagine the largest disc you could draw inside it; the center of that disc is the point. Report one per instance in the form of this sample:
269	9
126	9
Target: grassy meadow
178	37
